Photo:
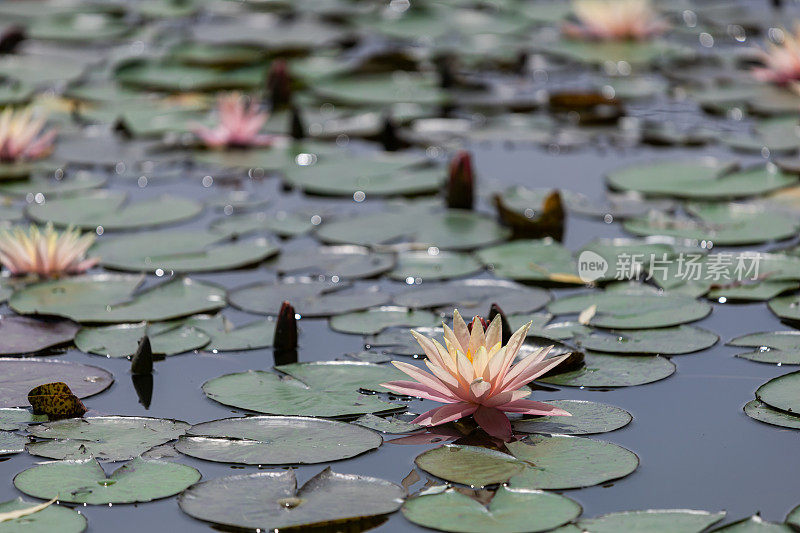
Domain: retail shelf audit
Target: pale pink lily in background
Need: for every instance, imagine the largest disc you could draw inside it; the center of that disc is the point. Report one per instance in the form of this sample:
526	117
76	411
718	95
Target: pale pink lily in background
474	375
22	138
614	20
781	60
46	253
239	125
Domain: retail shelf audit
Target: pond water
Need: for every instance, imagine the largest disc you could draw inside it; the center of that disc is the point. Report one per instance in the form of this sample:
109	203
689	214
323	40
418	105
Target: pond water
697	448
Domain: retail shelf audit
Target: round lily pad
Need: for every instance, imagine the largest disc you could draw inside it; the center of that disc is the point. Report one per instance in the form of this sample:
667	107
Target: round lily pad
275	440
509	511
636	53
382	89
664	341
755	524
475	296
122	340
271	500
632	308
281	223
602	370
373	321
782	393
105	298
52	518
11	443
180	251
308	297
23	335
776	347
18	376
51	187
389	424
251	336
587	418
764	413
112	210
14	419
345	262
84	481
326	389
433	265
677	520
176	77
538	461
107	438
529	260
787	306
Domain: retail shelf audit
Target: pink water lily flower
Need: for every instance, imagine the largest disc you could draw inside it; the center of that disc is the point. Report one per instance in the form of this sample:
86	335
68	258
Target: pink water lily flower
614	20
21	136
474	375
240	124
781	60
46	253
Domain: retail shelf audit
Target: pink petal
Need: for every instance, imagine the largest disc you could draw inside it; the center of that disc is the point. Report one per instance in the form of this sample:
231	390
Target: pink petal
451	412
412	388
494	422
531	407
423	377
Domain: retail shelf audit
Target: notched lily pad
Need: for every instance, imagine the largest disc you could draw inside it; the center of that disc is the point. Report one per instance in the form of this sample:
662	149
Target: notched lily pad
587	418
678	520
663	341
19	376
373	321
602	370
24	335
762	412
776	347
52	518
475	296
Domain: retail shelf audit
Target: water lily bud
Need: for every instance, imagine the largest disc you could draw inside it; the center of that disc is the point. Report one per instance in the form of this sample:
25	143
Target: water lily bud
10	39
285	329
297	128
461	182
477	318
495	311
279	85
142	360
388	136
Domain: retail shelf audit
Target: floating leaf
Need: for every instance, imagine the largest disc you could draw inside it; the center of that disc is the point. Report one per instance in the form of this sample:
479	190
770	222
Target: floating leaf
23	335
475	296
529	260
755	524
764	413
373	321
14	419
677	520
122	340
19	376
345	262
47	519
11	443
281	223
390	424
84	481
787	306
509	511
433	265
56	401
275	440
601	370
107	438
271	500
175	77
561	462
776	347
106	298
782	393
587	418
664	341
326	389
51	187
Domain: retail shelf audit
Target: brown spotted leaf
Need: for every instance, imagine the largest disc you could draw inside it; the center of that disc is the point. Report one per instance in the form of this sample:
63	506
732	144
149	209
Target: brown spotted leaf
56	401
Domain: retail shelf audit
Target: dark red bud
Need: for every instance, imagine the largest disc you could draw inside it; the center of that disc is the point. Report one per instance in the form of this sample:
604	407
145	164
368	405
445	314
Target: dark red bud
478	318
297	127
285	329
10	39
279	85
142	360
495	311
388	136
461	182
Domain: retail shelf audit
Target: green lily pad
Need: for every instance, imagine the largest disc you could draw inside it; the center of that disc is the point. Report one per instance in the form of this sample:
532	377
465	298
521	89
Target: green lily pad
631	307
176	77
251	336
755	524
111	210
509	511
448	229
776	347
587	418
764	413
14	419
57	518
389	424
271	500
79	28
325	389
275	440
81	181
105	298
786	306
561	462
433	265
18	376
529	260
84	481
180	251
122	340
215	55
382	89
663	341
309	297
699	179
677	520
475	296
782	393
24	335
11	443
107	438
778	135
602	370
636	53
373	321
345	262
281	223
